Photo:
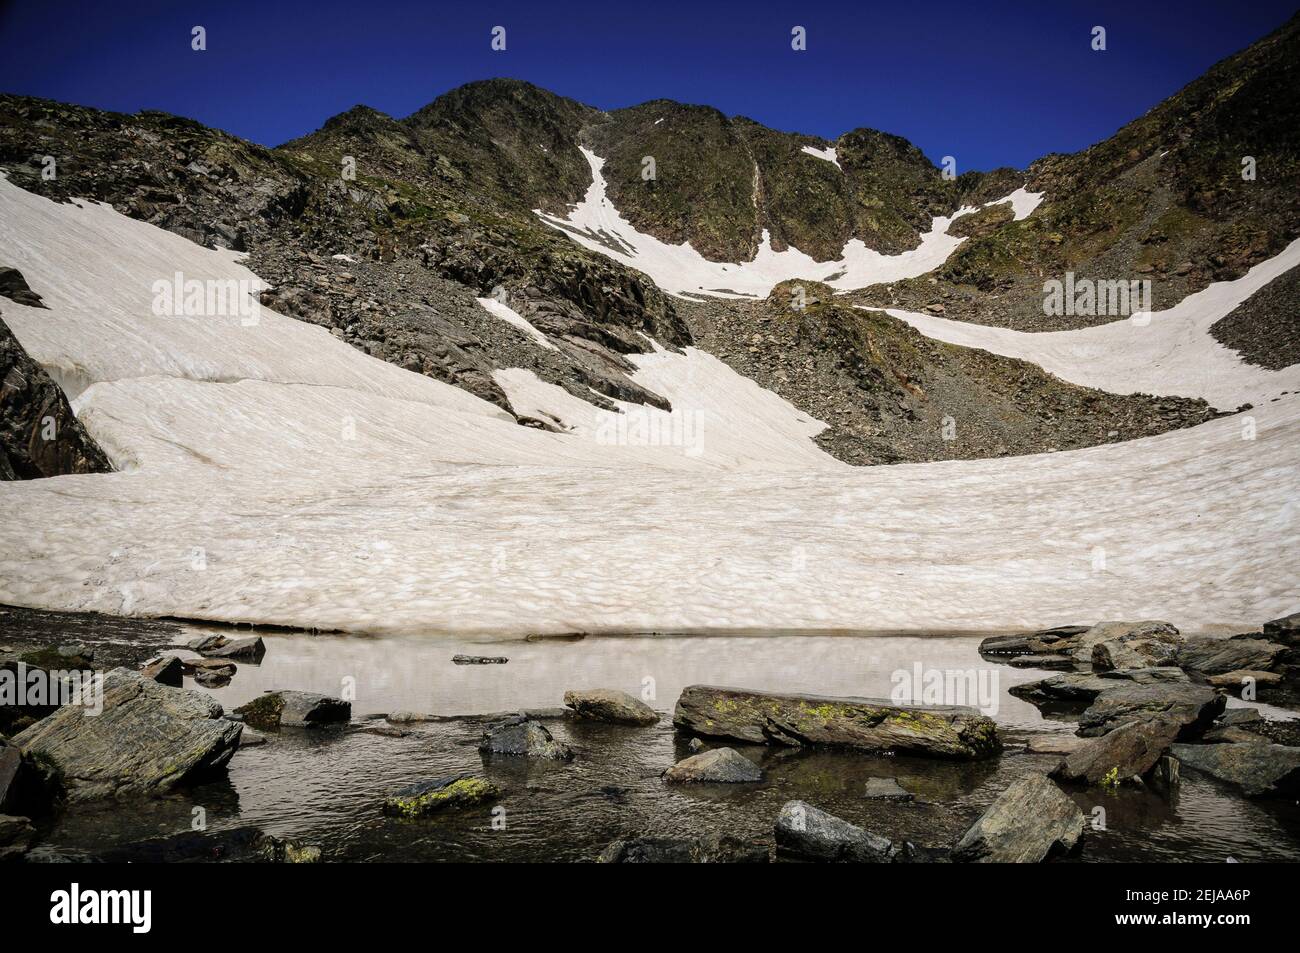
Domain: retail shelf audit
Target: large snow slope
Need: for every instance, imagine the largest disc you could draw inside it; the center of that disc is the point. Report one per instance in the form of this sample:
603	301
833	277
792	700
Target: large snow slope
679	269
276	475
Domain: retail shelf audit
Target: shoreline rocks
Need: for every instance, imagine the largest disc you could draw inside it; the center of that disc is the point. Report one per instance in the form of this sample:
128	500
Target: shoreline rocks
289	709
612	706
1194	706
148	739
712	849
870	724
716	766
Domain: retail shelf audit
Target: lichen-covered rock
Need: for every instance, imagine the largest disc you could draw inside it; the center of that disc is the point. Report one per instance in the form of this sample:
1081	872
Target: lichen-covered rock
525	738
148	739
717	766
1129	751
769	718
809	832
711	849
1030	822
440	794
1194	706
1260	770
281	709
607	704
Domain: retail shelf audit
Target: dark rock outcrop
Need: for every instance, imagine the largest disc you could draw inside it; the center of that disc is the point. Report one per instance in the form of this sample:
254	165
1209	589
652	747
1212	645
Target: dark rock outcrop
39	434
526	738
712	849
289	709
1260	770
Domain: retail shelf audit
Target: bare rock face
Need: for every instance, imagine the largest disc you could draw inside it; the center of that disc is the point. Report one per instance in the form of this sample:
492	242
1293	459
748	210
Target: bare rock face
717	766
1260	770
1129	751
148	739
872	724
39	434
607	704
1030	822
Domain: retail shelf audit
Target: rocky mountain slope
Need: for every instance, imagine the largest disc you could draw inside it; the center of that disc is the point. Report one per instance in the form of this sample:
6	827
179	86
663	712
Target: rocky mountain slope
1168	198
389	232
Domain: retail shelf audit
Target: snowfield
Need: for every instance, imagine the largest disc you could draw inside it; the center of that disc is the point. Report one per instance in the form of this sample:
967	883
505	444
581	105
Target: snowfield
679	269
273	474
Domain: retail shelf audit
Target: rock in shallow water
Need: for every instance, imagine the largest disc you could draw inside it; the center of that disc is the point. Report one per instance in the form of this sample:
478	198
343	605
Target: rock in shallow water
440	794
279	709
610	705
1260	770
524	738
1030	822
148	739
807	831
479	659
870	724
713	849
886	789
719	766
1129	751
1194	706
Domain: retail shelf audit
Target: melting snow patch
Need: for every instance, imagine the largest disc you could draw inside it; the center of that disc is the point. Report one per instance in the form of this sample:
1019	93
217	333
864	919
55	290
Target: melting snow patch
513	317
828	154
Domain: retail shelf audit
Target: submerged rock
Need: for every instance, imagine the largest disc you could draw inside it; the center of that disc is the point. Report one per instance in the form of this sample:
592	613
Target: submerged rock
525	738
1030	822
148	739
809	832
279	709
1193	706
607	704
428	797
718	766
1260	770
712	849
886	789
1131	750
1055	744
767	718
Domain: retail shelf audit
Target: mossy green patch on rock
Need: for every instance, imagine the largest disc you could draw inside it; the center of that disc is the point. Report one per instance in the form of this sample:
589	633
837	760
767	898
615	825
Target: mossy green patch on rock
429	797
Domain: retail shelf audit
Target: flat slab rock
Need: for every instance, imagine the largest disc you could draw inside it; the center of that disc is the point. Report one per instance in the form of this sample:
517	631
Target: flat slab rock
610	705
1195	706
1030	822
716	766
1211	656
289	709
870	724
886	789
1260	770
149	739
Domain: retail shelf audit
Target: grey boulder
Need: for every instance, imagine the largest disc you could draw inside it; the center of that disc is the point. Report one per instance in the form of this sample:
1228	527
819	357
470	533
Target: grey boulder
1030	822
280	709
610	705
524	738
809	832
717	766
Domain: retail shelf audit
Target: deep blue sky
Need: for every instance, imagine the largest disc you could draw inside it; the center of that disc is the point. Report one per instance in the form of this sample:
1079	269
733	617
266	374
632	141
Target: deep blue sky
992	83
